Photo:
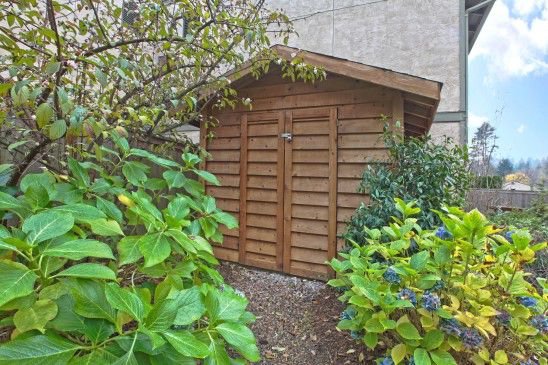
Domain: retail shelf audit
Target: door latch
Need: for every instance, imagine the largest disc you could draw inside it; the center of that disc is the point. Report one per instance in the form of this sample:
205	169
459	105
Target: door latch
288	136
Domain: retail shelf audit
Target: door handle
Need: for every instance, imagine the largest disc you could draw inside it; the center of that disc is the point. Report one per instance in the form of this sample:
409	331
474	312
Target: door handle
288	136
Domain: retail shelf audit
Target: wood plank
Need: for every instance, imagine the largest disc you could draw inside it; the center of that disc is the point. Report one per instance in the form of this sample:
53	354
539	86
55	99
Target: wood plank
243	189
309	274
360	126
258	117
225	156
225	192
311	128
369	110
227	131
262	156
223	167
311	169
262	195
333	153
347	141
229	232
263	143
306	255
261	221
361	156
261	234
225	254
353	171
261	169
311	241
224	144
344	214
288	195
228	180
351	200
280	176
316	268
310	142
316	199
348	185
228	205
309	156
313	184
309	226
257	130
265	248
262	182
261	208
261	261
310	212
230	242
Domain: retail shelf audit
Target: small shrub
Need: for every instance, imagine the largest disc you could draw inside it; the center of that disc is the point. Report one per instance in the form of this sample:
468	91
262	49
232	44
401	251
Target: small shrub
487	182
93	272
455	294
433	174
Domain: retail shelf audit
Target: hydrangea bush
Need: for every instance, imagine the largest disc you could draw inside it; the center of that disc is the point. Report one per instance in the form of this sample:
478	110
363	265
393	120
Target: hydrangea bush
456	294
110	265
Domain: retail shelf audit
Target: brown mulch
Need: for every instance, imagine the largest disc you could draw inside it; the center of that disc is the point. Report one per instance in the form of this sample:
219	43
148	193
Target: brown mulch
296	319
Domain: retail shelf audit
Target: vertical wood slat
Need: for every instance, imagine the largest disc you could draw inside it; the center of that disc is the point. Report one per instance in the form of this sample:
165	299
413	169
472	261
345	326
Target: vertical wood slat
288	166
280	194
332	213
243	188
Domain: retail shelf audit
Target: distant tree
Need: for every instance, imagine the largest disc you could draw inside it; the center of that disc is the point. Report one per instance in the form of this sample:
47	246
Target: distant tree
518	177
505	167
484	144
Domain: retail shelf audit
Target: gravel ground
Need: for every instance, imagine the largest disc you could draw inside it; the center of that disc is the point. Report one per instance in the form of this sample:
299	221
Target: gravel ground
296	319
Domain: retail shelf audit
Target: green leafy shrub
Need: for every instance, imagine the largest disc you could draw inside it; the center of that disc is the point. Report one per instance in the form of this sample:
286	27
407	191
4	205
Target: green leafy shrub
456	294
487	182
93	272
433	174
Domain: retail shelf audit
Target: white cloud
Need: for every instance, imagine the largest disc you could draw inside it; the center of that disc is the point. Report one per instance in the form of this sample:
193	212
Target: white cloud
521	128
515	43
475	121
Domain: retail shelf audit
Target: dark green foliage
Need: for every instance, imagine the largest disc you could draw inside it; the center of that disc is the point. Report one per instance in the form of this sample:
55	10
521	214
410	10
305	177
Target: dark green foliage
432	174
487	182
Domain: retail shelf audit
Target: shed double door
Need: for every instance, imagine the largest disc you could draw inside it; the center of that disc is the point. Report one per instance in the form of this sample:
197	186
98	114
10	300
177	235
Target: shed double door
288	187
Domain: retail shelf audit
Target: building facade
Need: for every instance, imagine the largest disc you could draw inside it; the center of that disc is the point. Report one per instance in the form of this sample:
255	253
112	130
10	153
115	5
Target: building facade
426	38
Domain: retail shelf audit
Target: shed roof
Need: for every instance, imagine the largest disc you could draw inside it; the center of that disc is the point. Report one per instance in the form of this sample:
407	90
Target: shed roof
421	96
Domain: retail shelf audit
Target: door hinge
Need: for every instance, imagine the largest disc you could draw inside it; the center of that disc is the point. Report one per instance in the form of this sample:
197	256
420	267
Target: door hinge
288	136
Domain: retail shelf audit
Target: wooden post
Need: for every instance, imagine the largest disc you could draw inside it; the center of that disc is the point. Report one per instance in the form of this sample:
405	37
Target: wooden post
288	175
280	194
243	189
332	212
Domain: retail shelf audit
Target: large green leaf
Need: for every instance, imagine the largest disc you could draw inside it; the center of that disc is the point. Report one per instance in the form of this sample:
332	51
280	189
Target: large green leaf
225	306
43	350
16	281
135	172
190	306
35	317
441	357
78	171
8	202
155	248
44	114
79	249
207	176
408	331
105	227
125	301
241	338
162	315
218	354
227	219
97	330
91	301
432	339
110	209
421	357
128	249
186	344
175	179
81	212
47	225
89	271
152	157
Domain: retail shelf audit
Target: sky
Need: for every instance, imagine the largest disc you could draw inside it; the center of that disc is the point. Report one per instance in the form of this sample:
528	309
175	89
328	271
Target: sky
508	78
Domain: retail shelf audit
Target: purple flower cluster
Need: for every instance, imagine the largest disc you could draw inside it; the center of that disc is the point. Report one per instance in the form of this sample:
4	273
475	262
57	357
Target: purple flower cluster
529	362
431	302
439	285
540	322
471	339
451	326
508	236
528	301
503	318
387	361
407	294
443	233
391	276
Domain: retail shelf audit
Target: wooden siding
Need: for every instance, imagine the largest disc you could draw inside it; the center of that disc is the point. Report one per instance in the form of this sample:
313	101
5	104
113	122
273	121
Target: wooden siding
293	198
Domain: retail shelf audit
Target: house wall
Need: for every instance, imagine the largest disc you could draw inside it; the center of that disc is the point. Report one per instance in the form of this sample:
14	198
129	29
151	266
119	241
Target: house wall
320	195
418	37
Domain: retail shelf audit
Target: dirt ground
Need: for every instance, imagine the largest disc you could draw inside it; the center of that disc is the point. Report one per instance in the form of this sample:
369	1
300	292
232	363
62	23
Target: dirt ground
296	319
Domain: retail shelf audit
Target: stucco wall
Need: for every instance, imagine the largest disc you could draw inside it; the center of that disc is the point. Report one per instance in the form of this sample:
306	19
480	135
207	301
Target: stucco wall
419	37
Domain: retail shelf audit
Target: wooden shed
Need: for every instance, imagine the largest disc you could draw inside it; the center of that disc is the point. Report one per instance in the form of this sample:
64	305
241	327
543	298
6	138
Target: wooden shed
290	167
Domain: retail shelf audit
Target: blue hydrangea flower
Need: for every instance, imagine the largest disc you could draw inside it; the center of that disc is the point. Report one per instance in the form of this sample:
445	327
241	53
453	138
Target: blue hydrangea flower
391	276
349	313
407	294
387	361
503	318
413	246
356	335
529	362
471	338
508	236
411	361
451	326
443	233
431	302
439	285
540	322
528	301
